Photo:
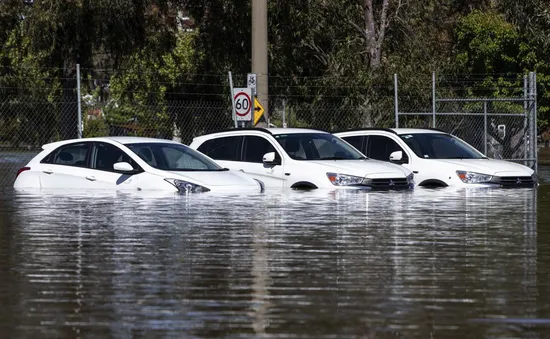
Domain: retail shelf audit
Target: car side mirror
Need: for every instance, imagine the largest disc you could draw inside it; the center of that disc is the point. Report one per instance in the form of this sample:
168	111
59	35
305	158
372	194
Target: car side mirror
123	167
269	159
397	157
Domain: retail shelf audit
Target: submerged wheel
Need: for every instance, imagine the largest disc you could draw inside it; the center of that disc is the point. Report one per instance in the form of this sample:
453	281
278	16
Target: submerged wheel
432	183
303	185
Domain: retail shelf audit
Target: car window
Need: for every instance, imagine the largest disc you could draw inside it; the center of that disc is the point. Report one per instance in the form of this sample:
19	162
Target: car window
255	147
439	146
355	141
317	146
226	148
69	155
380	148
173	157
107	155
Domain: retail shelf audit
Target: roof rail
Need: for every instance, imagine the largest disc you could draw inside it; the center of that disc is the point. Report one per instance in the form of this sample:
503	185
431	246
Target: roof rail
367	129
258	129
437	129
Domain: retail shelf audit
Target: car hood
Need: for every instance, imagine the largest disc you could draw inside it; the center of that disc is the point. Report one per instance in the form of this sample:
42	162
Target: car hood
214	178
487	166
365	168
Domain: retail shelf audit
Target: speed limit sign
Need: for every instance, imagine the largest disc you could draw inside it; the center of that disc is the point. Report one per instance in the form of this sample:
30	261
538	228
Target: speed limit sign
243	104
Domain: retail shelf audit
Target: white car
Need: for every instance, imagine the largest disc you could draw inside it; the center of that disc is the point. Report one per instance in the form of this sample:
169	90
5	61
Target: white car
438	159
301	159
129	163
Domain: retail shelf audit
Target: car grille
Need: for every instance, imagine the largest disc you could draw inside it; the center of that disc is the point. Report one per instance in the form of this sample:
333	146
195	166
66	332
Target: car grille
514	181
393	184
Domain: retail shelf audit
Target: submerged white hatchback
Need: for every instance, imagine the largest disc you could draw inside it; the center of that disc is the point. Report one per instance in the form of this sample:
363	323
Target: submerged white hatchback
129	163
438	158
301	159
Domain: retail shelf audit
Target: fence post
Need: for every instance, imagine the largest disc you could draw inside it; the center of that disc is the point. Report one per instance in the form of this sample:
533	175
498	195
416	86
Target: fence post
284	113
396	100
485	128
433	99
526	128
535	144
532	135
79	109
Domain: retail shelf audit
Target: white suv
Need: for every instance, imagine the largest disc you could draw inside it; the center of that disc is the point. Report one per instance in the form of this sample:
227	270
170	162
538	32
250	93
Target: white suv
300	158
438	158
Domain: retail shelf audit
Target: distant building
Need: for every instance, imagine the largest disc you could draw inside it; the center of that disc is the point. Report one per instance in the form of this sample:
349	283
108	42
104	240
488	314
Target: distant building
185	22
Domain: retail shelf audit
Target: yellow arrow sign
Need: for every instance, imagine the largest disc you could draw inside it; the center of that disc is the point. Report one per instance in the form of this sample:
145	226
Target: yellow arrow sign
258	111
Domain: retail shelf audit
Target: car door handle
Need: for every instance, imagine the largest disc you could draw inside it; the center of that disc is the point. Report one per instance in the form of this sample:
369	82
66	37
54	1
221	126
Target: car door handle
48	171
91	178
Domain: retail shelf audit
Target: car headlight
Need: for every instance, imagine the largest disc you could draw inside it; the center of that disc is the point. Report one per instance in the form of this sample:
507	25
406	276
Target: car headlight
262	185
410	178
338	179
473	177
535	178
186	186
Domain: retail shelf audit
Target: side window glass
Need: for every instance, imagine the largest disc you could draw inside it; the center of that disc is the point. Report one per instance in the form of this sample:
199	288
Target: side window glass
381	147
255	147
69	155
356	141
107	155
226	148
146	154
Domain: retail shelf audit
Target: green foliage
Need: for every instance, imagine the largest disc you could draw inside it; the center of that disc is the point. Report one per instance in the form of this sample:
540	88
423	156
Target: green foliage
95	128
486	43
318	58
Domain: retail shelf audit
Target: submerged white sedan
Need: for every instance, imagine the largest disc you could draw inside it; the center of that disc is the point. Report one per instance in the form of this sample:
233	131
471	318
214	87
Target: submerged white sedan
129	163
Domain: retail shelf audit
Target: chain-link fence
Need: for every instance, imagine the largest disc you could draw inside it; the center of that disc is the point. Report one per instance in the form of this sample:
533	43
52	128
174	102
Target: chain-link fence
500	127
34	112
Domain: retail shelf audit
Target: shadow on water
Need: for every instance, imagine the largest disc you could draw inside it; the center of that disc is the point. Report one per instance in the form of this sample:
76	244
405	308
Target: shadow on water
318	264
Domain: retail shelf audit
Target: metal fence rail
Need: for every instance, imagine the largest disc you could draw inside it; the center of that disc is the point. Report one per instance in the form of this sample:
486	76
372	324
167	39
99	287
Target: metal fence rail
501	128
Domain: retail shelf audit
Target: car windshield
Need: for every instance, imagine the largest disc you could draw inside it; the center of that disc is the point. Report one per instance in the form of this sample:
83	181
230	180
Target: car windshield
173	157
440	146
317	146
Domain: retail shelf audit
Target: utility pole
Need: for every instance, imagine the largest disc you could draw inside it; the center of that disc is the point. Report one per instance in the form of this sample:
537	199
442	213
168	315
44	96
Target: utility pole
259	52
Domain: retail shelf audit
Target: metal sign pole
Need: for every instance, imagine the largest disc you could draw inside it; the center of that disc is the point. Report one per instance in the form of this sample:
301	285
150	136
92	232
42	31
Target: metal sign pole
232	99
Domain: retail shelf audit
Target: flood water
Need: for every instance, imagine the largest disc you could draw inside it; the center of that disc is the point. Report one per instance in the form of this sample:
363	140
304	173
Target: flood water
426	264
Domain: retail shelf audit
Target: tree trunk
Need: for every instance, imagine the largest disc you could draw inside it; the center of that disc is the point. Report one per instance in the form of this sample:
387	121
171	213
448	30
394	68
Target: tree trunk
374	32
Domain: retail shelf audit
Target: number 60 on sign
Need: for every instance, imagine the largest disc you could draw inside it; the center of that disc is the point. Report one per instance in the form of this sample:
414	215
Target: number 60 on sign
243	104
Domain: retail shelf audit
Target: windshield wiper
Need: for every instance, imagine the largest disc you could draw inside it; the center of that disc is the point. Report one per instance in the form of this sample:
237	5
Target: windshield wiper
335	158
459	158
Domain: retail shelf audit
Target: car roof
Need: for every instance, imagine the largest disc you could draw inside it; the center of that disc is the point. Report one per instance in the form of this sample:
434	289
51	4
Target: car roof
279	130
271	131
398	131
119	139
416	130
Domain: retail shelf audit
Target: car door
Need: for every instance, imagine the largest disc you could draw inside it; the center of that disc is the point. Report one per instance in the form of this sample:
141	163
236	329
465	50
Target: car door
103	157
67	167
379	147
254	149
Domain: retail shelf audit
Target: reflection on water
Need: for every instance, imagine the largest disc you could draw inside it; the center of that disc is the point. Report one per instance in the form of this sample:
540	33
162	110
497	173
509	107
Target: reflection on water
428	263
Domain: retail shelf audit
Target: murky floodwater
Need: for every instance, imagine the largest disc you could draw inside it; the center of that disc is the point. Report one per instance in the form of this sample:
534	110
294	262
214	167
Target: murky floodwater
430	263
